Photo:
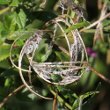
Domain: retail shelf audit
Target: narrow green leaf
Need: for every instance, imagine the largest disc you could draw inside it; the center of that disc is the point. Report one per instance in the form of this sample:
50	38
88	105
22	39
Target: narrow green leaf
62	56
46	55
86	95
89	94
75	104
77	26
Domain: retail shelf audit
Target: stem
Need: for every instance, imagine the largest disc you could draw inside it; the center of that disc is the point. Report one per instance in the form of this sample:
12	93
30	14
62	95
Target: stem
80	104
55	102
96	22
100	75
11	94
61	100
4	10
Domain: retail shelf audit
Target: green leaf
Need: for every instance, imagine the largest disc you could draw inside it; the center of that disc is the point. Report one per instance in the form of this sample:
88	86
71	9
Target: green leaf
13	22
8	82
106	23
48	51
4	2
43	52
75	104
46	55
89	94
1	26
100	67
14	3
22	19
1	30
10	22
5	64
62	56
82	97
77	26
32	96
4	52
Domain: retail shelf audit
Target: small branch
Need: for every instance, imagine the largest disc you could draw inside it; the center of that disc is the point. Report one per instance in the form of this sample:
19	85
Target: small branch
4	10
100	75
99	28
55	102
96	22
80	104
61	100
11	94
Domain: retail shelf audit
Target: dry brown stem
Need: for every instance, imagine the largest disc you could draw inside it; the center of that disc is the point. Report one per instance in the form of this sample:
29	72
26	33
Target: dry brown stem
11	94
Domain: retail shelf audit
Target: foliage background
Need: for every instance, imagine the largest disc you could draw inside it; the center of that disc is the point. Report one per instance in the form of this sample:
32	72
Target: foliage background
20	16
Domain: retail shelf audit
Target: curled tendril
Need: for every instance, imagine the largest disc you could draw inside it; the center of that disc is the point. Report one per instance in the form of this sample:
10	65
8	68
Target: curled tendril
68	73
56	73
30	45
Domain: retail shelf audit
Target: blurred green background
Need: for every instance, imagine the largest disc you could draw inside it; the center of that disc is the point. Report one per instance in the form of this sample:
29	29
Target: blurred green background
22	18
